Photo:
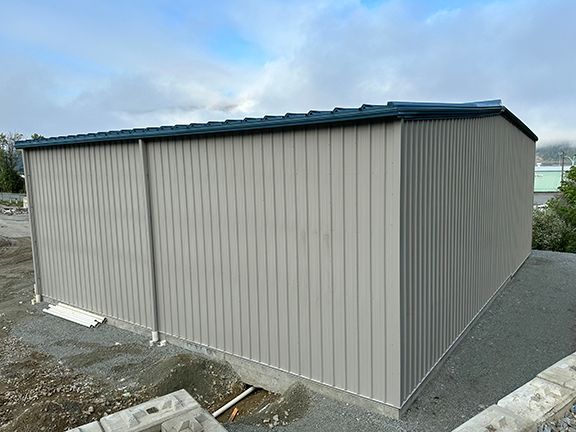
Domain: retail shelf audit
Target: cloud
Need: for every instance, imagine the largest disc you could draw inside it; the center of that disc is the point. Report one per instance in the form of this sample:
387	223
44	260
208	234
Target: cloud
517	51
90	66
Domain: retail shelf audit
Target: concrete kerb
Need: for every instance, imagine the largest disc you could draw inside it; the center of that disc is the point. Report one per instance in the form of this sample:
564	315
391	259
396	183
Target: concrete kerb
90	427
149	416
562	372
538	400
174	412
496	418
544	398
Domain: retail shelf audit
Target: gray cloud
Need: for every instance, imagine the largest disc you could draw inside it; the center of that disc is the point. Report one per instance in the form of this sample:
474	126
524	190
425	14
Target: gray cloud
518	51
151	69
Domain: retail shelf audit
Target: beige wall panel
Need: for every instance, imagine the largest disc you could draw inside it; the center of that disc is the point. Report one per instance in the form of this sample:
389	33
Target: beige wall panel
92	244
276	242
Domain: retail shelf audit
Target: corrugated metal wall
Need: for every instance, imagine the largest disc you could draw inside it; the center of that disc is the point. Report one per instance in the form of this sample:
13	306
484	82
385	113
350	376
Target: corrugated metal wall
90	227
271	247
466	224
351	255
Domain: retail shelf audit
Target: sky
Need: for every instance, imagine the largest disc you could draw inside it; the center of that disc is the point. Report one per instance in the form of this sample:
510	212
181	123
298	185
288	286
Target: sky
73	66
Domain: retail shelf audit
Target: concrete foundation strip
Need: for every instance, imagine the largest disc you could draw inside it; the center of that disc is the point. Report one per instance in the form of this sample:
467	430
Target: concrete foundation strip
547	396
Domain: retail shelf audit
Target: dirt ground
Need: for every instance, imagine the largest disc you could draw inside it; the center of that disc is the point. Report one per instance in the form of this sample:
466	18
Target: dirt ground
56	375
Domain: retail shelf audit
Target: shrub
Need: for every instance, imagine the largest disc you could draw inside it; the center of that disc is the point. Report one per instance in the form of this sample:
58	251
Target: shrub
549	231
554	228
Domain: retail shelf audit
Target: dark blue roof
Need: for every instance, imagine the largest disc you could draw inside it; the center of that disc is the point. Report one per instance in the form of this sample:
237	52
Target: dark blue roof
404	110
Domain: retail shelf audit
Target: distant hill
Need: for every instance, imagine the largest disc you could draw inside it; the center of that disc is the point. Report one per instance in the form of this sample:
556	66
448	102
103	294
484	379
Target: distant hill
551	154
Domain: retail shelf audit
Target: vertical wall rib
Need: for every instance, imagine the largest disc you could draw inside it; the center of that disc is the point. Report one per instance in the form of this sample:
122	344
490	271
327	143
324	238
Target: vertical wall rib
91	227
278	241
466	221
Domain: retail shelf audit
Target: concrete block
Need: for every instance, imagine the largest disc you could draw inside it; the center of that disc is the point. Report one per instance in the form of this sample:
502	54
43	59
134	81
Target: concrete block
90	427
149	416
496	419
538	400
562	372
193	421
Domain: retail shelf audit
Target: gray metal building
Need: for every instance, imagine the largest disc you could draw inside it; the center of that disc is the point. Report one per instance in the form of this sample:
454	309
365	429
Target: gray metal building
349	248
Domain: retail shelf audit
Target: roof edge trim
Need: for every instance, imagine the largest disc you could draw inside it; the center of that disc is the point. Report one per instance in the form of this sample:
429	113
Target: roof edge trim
393	110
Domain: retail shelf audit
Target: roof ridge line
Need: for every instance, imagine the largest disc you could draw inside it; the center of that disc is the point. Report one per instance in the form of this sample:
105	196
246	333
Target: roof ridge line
393	109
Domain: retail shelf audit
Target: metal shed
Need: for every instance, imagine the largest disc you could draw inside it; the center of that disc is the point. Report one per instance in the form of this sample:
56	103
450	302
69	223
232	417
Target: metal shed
350	248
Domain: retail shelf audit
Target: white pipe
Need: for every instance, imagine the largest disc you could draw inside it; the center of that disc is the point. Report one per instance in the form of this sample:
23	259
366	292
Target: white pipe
233	402
76	317
65	315
79	316
73	314
83	312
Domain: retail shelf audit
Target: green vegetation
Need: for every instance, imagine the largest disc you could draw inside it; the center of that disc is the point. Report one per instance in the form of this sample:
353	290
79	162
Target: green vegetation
548	231
11	165
11	203
10	179
554	228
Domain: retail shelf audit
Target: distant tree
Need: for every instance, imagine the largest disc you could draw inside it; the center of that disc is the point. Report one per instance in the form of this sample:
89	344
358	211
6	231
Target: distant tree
10	180
36	136
565	207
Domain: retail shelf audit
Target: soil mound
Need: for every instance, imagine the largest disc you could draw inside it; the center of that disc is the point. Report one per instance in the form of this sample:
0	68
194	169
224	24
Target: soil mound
210	382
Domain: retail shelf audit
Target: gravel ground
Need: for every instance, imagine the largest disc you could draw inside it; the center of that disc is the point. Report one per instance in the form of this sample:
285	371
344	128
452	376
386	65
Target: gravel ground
523	332
107	351
564	424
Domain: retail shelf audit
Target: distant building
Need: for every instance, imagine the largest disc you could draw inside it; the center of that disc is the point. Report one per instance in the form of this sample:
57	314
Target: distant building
546	182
